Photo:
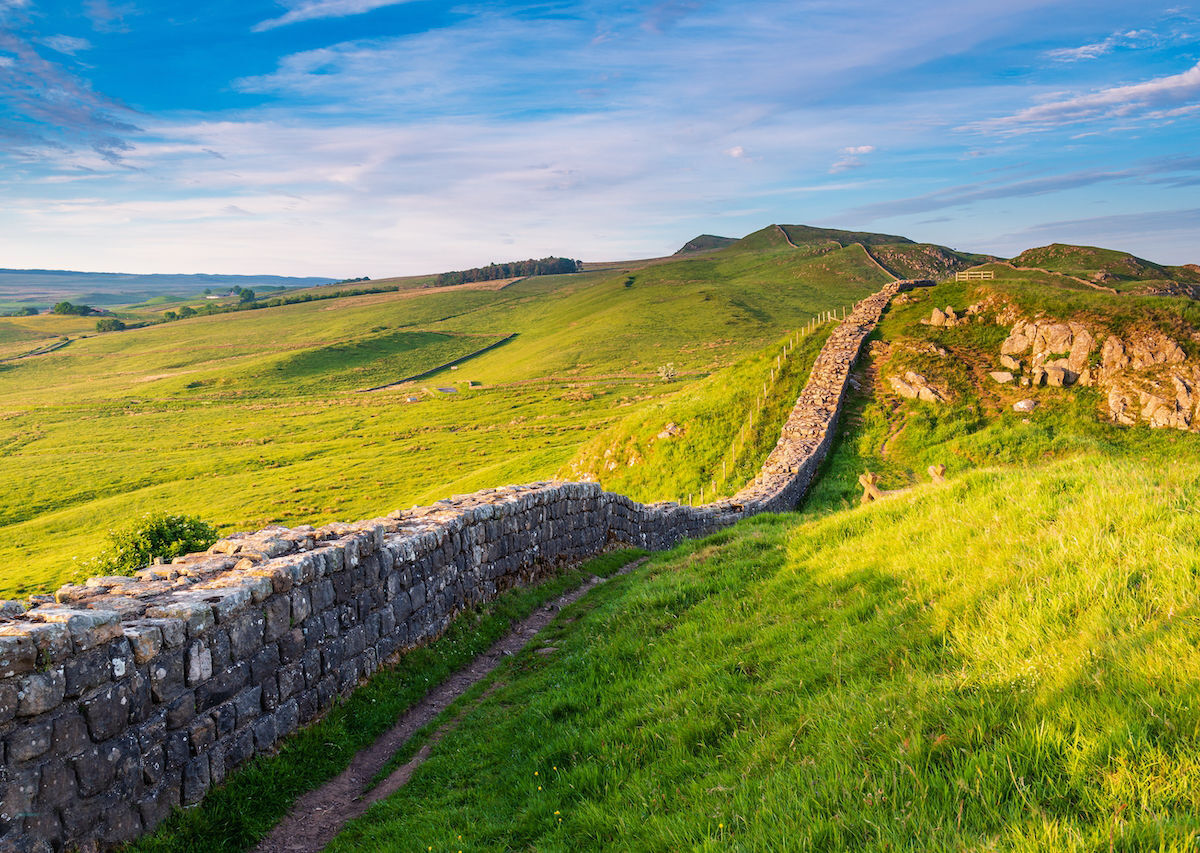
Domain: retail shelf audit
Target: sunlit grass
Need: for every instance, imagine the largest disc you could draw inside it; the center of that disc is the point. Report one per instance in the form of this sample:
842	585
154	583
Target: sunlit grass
1006	662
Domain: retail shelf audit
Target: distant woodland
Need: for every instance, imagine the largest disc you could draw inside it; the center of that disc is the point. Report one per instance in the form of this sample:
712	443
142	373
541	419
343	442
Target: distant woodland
515	269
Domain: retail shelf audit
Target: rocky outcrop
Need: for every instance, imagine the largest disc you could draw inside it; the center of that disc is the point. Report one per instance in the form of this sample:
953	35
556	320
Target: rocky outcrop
1145	376
1056	354
950	317
914	386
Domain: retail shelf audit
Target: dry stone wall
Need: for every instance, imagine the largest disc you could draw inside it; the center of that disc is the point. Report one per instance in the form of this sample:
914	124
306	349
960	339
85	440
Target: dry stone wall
124	698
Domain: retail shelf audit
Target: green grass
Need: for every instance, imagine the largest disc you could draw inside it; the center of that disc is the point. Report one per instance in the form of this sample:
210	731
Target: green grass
977	428
251	418
1008	662
235	816
633	458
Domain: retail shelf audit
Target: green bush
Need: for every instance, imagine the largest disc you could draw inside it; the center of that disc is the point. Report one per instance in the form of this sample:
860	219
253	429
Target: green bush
154	535
109	324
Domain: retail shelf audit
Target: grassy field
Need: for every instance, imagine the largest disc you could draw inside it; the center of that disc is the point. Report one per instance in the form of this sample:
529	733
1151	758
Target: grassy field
1008	662
254	417
707	441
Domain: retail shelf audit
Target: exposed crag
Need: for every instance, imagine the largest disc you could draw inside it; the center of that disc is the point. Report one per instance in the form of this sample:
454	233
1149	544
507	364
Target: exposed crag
1145	375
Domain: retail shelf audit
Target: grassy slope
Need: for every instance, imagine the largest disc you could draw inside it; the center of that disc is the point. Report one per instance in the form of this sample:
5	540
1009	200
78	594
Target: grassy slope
1007	662
250	418
978	426
699	463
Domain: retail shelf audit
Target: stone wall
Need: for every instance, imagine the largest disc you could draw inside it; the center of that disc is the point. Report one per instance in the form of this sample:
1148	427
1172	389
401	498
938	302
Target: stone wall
127	697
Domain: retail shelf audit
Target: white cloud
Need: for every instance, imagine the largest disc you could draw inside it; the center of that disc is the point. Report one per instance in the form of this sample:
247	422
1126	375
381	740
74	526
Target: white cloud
851	158
7	62
312	10
66	44
737	152
1132	38
1168	94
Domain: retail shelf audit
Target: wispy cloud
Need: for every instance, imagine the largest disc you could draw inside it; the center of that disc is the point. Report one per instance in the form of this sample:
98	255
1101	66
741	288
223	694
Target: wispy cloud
313	10
1130	38
49	107
108	17
851	158
1157	98
1159	170
66	44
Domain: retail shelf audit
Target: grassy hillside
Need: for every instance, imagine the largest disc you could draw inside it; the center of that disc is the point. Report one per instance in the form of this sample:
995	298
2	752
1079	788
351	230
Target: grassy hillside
977	426
254	417
707	440
924	260
706	243
1006	662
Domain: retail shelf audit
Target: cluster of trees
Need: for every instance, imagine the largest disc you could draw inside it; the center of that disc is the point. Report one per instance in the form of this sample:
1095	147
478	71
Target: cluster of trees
353	280
515	269
69	308
27	311
109	324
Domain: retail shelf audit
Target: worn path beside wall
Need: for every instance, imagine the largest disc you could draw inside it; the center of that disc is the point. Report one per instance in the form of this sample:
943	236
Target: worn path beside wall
128	697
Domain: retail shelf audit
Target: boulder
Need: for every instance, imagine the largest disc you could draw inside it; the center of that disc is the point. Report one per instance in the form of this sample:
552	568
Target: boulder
902	388
1001	376
937	318
1053	338
1057	377
1019	340
1025	405
1010	363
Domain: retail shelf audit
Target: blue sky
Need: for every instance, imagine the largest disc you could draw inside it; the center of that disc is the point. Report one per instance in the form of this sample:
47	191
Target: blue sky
368	137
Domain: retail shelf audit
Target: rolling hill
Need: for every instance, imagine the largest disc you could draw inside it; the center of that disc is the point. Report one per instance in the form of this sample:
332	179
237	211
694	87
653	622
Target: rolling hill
1003	661
255	417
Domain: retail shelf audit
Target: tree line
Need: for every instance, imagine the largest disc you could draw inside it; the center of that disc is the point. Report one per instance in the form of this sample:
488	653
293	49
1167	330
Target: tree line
513	269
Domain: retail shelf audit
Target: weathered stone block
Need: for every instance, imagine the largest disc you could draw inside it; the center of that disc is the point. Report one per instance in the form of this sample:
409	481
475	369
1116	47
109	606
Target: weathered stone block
264	732
144	640
88	628
106	711
196	614
167	675
277	616
70	733
199	663
95	769
245	635
29	741
40	692
18	654
201	733
195	780
221	686
181	710
248	704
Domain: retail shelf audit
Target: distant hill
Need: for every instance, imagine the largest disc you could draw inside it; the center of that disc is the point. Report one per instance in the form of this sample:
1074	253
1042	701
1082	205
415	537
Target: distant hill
802	235
706	243
925	260
43	287
1110	267
900	256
